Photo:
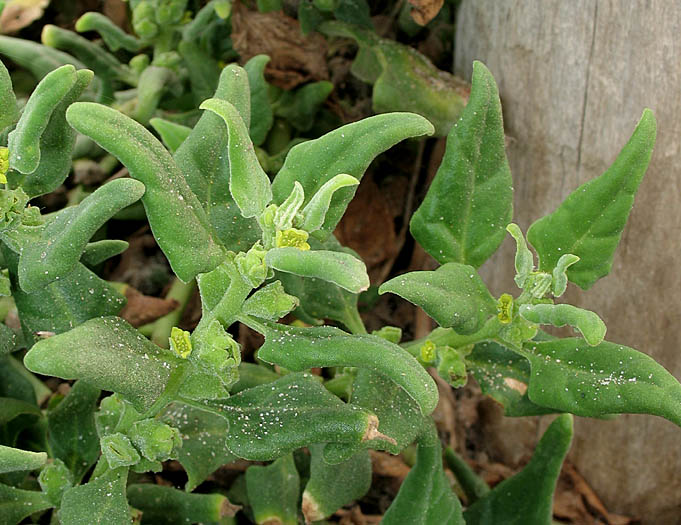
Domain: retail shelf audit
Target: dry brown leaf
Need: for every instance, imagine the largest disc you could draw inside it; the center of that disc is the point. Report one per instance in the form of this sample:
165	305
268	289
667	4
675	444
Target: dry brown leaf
384	464
368	227
425	10
142	309
20	13
295	58
582	487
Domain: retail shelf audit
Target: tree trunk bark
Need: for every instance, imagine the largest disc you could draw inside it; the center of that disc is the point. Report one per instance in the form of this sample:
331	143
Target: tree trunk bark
574	78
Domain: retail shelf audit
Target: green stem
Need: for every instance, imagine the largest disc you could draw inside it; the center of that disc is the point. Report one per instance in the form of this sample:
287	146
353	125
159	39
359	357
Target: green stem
353	322
472	484
228	308
252	323
448	337
170	392
6	304
181	292
340	386
41	391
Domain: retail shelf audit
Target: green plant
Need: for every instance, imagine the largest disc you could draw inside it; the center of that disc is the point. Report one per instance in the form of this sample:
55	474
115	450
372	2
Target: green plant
259	250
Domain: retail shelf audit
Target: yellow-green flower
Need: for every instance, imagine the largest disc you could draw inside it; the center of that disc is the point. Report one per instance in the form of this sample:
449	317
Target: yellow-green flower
292	238
4	164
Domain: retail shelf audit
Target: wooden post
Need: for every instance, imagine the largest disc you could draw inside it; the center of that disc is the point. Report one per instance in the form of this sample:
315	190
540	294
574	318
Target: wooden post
574	77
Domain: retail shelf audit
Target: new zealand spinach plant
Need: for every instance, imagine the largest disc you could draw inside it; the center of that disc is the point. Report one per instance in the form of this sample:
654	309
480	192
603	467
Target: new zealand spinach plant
259	250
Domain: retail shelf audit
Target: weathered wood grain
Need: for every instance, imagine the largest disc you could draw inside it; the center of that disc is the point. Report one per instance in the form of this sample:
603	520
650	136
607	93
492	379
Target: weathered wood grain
574	77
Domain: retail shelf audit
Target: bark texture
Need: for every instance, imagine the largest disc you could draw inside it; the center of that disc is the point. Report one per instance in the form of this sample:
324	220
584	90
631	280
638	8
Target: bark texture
574	78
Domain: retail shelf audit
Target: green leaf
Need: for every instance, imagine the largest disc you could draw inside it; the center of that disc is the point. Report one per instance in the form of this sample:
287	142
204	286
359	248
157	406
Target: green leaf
105	65
302	348
354	12
162	505
470	201
100	502
108	353
15	416
65	303
268	421
398	414
172	134
299	107
248	183
425	496
17	504
9	112
208	175
177	220
71	431
590	221
349	149
315	211
524	260
571	376
99	251
204	441
223	292
504	376
251	375
36	58
527	497
473	485
270	302
320	299
403	78
55	479
332	486
588	323
273	491
114	37
14	459
152	84
202	68
453	295
262	117
15	381
24	140
339	268
64	239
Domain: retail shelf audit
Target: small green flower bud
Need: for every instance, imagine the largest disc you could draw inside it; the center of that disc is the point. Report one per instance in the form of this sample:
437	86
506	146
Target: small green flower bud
54	479
169	59
114	415
118	450
216	350
251	265
283	218
451	367
170	12
389	333
154	439
32	217
139	63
